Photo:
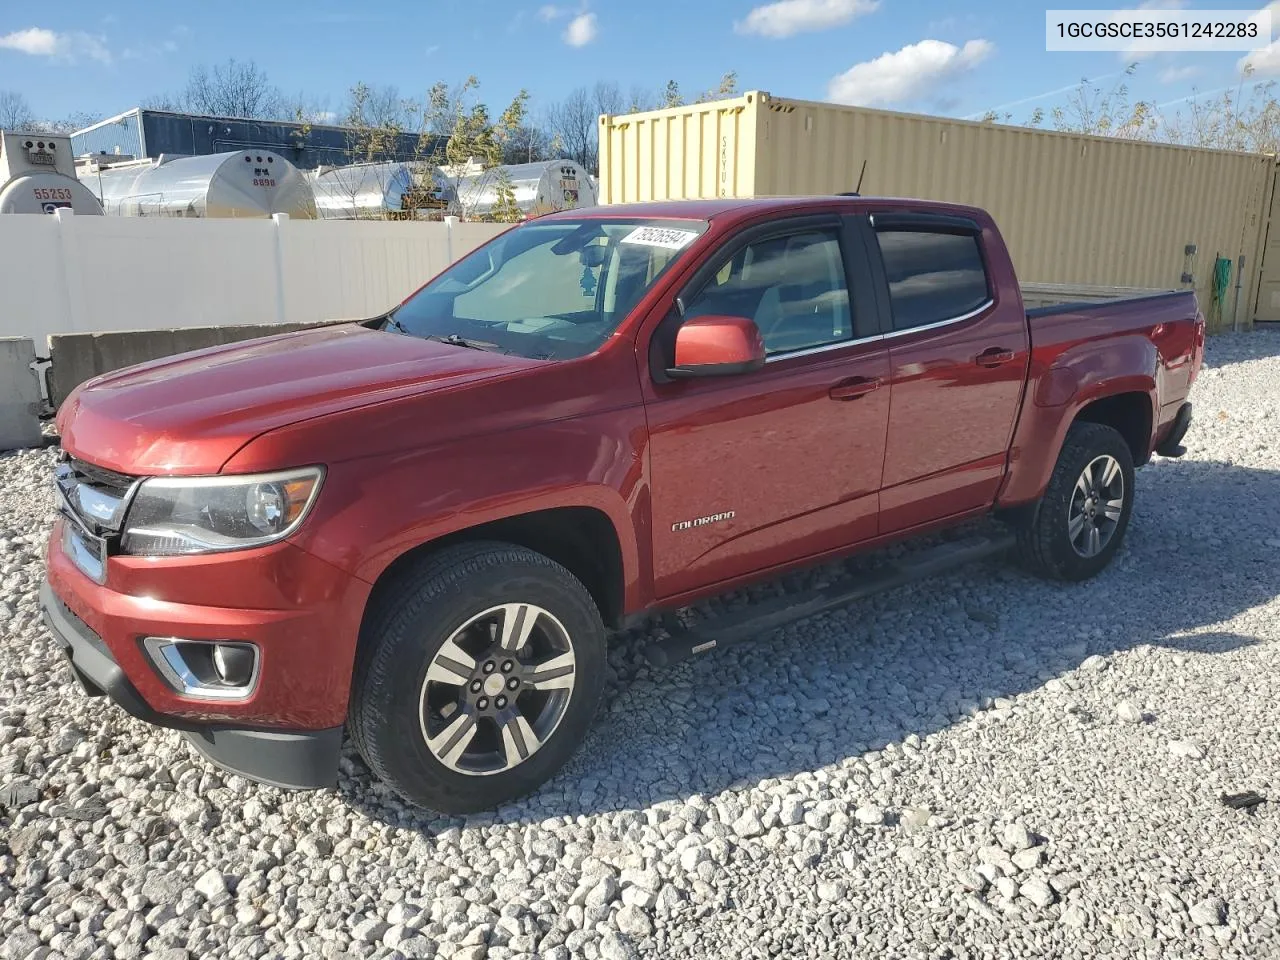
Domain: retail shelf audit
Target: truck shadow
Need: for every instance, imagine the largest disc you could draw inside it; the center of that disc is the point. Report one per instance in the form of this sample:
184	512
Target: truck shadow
912	661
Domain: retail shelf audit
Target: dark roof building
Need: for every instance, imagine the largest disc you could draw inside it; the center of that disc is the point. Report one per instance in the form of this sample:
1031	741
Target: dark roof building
149	133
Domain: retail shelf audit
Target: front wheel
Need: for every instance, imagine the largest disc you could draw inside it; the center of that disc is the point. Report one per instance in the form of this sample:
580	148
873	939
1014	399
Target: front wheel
478	676
1079	524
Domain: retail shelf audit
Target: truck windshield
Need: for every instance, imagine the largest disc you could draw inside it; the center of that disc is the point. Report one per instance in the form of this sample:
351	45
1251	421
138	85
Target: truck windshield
551	290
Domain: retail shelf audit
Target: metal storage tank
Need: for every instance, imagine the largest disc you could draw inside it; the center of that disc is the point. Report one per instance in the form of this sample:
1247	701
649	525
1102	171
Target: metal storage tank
362	191
538	187
1074	209
37	175
245	183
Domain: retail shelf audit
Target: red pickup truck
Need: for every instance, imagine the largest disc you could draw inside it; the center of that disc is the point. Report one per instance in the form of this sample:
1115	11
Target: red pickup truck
422	528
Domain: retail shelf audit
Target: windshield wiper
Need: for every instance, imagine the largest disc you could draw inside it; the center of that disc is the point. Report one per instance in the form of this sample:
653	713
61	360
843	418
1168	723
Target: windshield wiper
393	322
456	341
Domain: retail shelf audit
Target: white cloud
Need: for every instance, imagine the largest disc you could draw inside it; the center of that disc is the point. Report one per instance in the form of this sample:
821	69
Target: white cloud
1178	74
914	72
787	17
39	42
36	41
551	12
1265	62
581	30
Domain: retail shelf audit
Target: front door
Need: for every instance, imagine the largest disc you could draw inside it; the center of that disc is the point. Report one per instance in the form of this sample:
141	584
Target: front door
758	469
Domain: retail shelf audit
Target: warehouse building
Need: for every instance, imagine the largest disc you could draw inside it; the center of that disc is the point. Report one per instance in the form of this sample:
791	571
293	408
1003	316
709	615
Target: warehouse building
141	133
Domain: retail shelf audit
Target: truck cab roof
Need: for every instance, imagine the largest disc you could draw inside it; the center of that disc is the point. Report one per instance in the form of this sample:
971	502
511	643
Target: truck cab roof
738	208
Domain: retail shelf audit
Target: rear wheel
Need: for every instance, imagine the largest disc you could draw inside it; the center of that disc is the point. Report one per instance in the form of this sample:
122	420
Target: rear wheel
1079	524
478	677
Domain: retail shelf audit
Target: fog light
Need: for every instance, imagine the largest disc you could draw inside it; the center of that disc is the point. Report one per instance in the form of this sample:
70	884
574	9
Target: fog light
205	669
233	663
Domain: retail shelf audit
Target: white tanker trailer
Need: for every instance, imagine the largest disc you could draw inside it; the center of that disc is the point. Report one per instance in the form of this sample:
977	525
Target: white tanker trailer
37	175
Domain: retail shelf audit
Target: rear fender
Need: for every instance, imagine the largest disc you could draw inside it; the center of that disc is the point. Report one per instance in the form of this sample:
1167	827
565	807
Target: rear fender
1077	377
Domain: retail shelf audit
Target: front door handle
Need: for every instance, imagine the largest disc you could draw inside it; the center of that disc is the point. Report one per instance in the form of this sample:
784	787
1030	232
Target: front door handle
853	388
993	357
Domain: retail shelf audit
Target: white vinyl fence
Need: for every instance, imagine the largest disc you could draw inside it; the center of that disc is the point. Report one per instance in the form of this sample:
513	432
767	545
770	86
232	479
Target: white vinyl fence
69	274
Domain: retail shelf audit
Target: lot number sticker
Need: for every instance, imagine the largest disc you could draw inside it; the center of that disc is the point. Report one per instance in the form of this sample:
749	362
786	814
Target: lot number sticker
660	237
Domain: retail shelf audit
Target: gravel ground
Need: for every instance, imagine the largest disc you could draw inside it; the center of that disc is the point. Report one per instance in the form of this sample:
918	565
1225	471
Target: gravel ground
980	766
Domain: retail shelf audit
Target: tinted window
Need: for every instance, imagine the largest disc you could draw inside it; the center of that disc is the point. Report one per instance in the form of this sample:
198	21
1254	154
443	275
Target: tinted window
932	276
793	287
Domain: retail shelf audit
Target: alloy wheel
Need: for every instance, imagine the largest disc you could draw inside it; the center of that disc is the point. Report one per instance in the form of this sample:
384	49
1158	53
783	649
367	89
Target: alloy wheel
497	689
1097	503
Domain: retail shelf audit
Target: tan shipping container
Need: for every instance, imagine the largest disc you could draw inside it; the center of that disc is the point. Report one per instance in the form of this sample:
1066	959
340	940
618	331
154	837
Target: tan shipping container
1075	210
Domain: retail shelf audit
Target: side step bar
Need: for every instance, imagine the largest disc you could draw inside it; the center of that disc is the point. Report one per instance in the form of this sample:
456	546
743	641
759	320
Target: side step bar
761	619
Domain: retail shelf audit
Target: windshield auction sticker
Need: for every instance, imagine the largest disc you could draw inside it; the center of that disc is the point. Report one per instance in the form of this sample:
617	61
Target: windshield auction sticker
661	237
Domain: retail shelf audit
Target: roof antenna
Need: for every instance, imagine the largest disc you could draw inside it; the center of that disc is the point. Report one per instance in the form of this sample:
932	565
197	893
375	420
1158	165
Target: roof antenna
857	191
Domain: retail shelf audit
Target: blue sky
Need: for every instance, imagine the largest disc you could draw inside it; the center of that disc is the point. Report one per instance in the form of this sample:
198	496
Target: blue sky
922	55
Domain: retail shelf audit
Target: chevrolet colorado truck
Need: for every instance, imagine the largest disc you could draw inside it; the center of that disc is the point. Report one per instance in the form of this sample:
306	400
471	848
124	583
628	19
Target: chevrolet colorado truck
421	528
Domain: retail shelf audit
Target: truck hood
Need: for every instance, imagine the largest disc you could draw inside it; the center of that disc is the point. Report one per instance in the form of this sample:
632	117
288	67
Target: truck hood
188	414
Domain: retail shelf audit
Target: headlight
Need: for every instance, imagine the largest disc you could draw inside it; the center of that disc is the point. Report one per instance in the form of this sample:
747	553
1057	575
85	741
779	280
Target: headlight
182	515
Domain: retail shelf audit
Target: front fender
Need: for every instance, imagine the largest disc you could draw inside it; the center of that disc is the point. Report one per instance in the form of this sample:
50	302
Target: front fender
373	510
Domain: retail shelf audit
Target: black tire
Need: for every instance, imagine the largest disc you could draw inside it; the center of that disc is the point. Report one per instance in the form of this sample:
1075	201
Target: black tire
408	625
1044	543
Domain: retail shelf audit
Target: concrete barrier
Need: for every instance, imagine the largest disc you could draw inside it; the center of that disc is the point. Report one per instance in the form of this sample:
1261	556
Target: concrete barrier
77	357
19	394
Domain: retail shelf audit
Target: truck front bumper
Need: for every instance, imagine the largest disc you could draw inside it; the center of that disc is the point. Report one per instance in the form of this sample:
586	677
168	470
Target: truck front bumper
296	759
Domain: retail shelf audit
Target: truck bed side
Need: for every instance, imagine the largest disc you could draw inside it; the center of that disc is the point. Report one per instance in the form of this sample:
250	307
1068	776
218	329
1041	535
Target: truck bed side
1126	362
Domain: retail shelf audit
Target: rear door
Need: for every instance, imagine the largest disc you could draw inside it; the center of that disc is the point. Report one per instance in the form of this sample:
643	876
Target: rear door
958	354
773	465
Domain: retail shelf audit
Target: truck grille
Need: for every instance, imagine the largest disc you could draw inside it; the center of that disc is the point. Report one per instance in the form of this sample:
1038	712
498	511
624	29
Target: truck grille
95	496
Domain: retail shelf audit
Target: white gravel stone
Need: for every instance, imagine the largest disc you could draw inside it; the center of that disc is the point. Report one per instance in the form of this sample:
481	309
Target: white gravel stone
1187	749
1038	891
633	921
748	825
1210	912
1017	836
832	891
1127	712
1074	916
869	815
1028	859
211	885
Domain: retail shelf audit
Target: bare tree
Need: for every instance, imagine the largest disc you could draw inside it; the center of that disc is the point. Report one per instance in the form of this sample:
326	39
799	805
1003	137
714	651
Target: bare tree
232	89
608	98
641	99
1247	118
69	124
1107	112
728	88
573	122
304	108
381	107
15	112
172	103
530	142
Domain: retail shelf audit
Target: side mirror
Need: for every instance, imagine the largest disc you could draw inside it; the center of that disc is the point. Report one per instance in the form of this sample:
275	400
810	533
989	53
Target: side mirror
717	346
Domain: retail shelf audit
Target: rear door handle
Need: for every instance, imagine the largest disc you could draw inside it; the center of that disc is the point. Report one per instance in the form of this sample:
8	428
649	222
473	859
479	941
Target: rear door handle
854	388
993	357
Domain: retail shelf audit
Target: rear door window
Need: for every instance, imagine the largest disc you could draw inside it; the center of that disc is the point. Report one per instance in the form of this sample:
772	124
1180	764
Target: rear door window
933	277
